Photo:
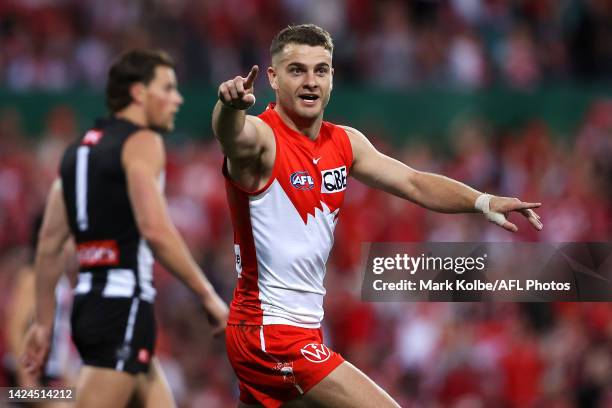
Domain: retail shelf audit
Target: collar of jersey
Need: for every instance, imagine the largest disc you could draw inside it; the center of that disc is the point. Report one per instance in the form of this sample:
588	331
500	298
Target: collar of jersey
297	135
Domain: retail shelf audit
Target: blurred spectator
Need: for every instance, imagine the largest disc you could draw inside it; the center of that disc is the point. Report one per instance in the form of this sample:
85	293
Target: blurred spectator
429	355
432	354
55	45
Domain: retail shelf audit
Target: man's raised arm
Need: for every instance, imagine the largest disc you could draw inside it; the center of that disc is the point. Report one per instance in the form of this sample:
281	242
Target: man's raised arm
237	133
432	191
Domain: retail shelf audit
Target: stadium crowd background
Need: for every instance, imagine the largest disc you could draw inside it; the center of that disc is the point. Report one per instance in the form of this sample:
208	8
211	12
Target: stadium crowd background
56	44
428	354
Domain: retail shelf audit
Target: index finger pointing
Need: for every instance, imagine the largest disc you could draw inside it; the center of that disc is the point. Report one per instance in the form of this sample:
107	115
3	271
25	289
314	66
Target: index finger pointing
523	206
532	205
250	79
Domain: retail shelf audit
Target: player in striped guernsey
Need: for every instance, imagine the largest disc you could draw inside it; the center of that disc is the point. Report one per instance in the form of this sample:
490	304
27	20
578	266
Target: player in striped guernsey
110	200
286	174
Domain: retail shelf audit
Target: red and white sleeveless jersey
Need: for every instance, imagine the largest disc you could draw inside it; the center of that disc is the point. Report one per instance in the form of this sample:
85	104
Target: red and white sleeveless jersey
283	233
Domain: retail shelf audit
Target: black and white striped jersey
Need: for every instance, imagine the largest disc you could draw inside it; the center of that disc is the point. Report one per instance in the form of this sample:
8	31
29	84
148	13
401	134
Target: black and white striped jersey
115	261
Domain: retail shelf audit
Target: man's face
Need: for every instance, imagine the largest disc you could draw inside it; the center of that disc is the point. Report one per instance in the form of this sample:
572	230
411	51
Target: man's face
162	99
302	77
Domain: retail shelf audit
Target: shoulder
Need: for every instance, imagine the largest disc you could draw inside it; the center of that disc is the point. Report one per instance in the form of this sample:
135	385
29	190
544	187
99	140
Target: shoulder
145	135
356	137
262	127
350	131
263	131
144	138
144	144
259	123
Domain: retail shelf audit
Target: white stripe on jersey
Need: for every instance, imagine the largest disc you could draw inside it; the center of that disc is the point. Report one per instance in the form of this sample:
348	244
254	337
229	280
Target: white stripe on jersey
145	272
81	187
84	283
119	283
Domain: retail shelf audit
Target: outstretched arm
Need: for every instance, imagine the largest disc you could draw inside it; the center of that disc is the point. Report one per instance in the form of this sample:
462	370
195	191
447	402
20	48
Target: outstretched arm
143	158
432	191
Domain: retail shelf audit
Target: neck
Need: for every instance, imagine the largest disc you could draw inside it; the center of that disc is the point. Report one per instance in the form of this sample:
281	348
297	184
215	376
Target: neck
308	127
133	114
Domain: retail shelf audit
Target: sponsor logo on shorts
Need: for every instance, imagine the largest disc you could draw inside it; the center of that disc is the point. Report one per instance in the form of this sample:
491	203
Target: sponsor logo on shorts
143	356
316	353
98	253
333	180
301	180
286	370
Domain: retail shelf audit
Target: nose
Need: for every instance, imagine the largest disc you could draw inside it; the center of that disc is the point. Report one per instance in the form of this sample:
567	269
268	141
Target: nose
310	82
179	99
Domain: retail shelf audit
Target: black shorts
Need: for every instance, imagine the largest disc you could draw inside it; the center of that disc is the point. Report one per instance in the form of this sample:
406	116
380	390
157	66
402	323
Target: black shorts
117	333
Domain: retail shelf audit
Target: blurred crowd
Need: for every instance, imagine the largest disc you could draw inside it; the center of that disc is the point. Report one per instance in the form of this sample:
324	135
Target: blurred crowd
426	355
466	355
57	44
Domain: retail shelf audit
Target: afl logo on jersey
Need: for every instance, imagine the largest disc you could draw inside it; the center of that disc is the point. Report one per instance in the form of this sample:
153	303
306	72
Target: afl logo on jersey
333	180
302	180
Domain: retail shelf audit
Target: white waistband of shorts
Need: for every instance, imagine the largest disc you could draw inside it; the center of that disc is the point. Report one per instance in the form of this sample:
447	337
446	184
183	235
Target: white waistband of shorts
120	283
268	320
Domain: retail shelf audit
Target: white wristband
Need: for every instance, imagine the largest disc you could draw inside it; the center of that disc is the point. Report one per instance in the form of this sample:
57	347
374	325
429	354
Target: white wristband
482	204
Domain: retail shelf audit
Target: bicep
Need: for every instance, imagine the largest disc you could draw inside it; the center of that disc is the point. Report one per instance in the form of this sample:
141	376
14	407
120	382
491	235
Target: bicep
145	195
143	161
251	142
54	231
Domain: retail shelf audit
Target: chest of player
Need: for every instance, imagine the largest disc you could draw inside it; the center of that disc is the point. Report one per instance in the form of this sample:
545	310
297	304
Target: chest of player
312	172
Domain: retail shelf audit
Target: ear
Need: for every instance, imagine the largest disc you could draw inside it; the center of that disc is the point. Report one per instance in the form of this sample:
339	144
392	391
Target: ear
138	92
273	78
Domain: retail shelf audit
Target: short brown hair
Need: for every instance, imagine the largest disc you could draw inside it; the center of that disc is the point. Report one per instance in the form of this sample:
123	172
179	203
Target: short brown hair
307	34
132	67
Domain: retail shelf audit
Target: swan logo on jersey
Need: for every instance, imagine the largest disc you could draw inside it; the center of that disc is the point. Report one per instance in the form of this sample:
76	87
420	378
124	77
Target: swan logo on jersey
333	180
302	180
316	353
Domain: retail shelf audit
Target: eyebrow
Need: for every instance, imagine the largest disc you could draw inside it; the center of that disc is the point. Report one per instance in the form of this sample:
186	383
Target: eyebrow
300	65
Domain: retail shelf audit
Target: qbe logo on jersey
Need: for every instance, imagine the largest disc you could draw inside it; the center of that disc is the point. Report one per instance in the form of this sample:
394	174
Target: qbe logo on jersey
333	180
301	180
316	353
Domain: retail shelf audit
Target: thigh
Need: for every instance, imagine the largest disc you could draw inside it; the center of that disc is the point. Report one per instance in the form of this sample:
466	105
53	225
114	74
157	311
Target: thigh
348	387
103	387
153	389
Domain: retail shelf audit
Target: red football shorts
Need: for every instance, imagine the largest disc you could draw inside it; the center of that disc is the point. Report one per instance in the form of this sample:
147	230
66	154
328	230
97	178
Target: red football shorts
278	363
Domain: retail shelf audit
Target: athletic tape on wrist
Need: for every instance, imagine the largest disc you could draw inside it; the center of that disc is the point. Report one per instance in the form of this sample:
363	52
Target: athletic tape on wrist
482	204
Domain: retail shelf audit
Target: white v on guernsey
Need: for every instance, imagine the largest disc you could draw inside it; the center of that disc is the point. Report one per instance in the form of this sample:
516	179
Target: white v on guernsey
283	233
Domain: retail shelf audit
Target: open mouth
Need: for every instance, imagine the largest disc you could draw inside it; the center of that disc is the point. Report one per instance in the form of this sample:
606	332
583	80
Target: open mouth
309	97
